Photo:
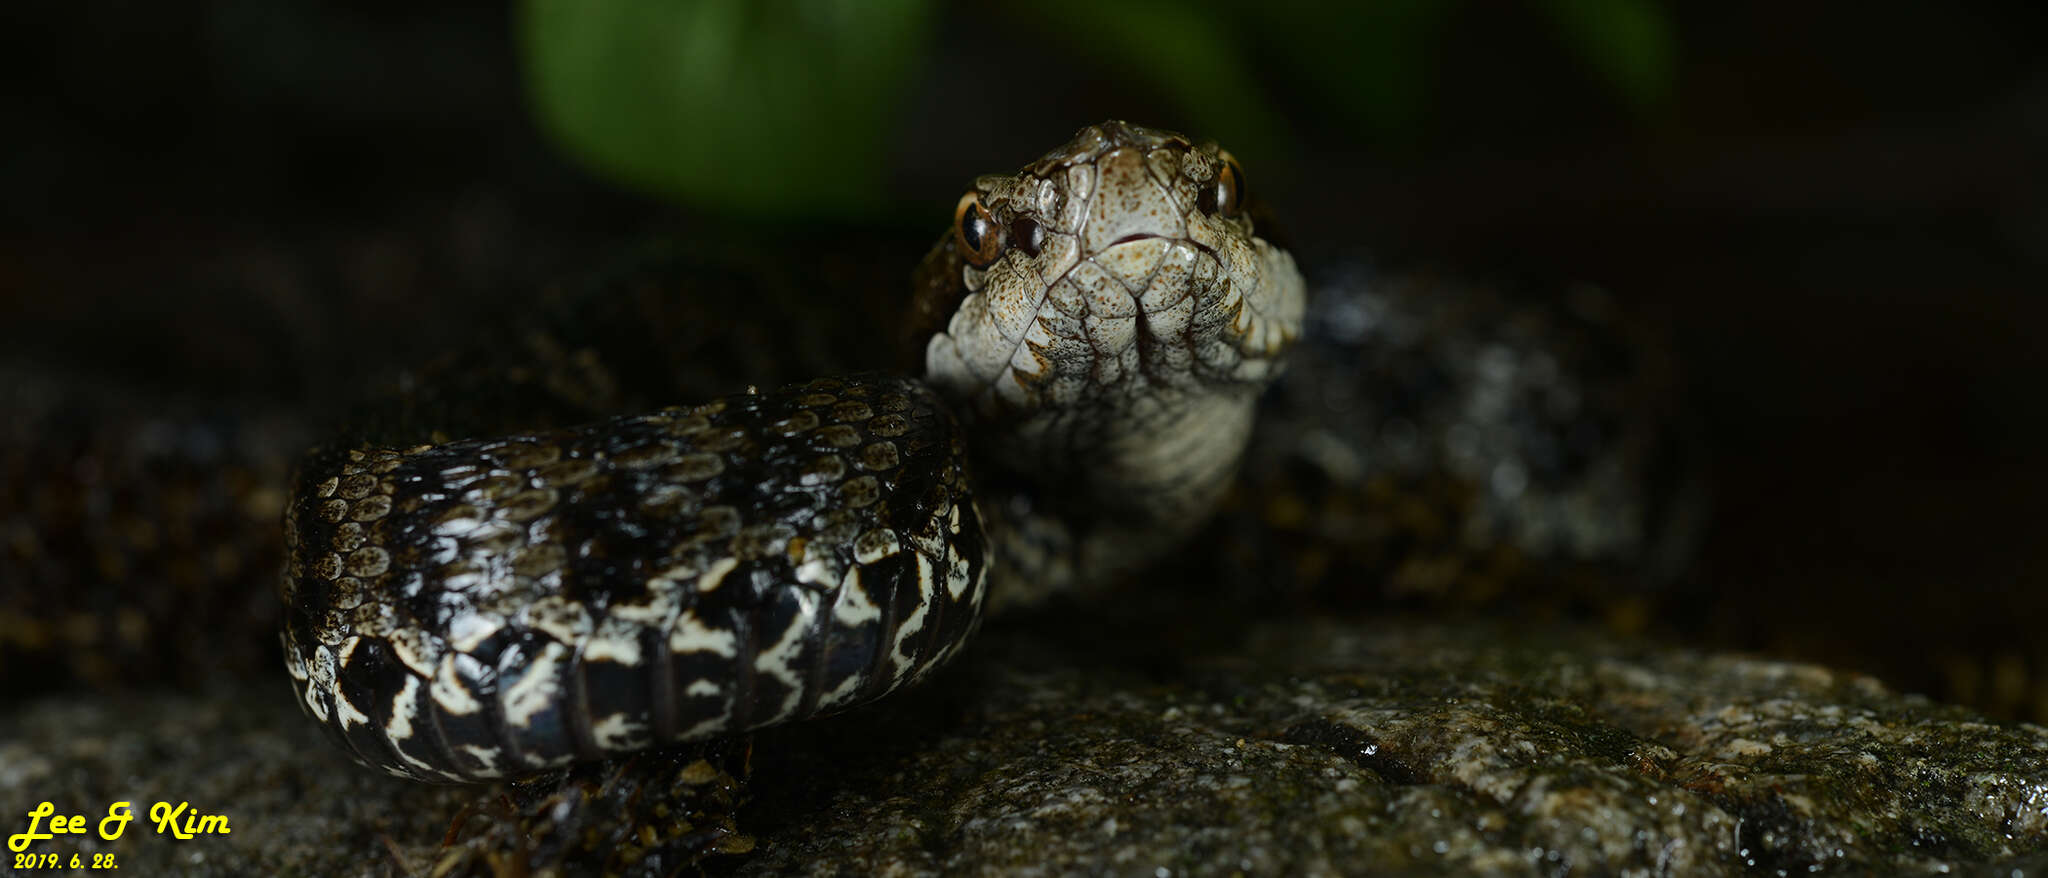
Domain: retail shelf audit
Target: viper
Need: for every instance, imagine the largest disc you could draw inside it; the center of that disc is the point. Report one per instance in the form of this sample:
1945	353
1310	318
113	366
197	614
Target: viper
1095	330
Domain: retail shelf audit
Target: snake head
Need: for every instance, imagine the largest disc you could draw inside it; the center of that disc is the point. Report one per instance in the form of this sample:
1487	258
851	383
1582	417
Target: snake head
1120	266
1103	321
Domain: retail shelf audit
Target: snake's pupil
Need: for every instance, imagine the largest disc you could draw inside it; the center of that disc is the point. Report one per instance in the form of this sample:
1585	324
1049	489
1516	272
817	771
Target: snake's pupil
974	231
971	232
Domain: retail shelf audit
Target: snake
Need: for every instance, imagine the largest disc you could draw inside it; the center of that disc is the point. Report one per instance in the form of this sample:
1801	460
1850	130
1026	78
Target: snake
1096	332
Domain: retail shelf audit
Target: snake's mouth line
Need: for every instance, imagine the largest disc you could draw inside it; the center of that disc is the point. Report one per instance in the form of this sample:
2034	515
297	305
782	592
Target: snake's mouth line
1144	236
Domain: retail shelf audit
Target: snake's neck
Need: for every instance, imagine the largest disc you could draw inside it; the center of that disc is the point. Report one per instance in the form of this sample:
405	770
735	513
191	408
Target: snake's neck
1168	459
1103	497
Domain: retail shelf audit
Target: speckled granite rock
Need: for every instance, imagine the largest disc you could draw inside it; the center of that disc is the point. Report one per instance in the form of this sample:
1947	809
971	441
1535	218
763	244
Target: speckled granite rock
1109	747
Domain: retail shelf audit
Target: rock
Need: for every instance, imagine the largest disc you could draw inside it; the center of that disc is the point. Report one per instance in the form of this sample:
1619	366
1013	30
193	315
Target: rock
1114	745
1452	748
294	804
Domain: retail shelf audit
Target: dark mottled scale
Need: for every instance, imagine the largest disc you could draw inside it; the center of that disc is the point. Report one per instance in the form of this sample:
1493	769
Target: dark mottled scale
628	690
368	681
539	736
460	728
487	607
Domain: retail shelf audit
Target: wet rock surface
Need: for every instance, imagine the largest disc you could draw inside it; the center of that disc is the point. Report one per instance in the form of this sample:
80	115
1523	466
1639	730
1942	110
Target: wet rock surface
1120	747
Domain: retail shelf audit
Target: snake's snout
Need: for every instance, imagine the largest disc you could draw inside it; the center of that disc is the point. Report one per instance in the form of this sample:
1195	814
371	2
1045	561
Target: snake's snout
1131	201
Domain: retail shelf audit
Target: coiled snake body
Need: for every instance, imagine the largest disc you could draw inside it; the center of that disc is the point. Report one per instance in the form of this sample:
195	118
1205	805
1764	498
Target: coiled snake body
1100	325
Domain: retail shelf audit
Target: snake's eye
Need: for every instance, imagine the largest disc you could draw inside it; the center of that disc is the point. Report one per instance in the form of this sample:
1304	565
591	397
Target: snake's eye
1027	235
1226	195
975	232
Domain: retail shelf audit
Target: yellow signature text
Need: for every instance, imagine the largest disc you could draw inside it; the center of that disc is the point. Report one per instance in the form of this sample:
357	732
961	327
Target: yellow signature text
180	821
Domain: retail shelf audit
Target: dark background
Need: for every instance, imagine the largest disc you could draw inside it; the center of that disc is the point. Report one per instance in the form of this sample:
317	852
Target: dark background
1840	208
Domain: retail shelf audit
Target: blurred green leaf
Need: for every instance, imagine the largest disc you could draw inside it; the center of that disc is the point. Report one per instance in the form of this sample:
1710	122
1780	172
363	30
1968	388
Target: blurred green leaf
1371	63
1190	54
786	107
723	102
1628	43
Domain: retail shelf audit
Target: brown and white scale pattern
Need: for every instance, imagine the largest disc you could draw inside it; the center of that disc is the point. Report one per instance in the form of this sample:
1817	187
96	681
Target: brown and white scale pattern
481	608
487	608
